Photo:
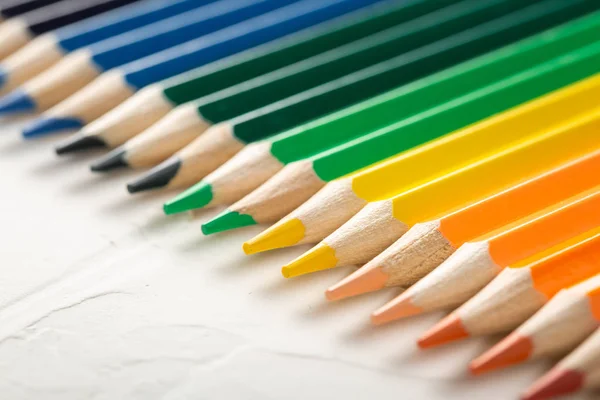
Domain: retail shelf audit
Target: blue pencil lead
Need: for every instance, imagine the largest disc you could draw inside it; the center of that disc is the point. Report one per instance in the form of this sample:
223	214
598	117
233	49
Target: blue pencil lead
46	126
16	102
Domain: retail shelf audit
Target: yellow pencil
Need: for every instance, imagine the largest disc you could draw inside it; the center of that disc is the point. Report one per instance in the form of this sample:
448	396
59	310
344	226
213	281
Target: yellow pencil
337	202
381	223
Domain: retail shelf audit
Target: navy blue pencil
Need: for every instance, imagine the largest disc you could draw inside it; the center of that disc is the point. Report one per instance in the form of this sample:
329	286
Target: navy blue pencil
81	67
19	31
114	87
14	8
48	49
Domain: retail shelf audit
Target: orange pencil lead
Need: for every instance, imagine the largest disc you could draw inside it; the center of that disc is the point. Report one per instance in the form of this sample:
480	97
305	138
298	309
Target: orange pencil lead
448	330
362	281
400	307
558	382
513	350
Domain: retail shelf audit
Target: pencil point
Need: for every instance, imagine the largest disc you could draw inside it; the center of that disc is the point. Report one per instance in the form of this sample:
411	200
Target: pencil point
226	221
512	350
157	177
78	143
401	307
364	280
113	160
557	382
46	126
319	258
448	330
285	234
16	102
3	77
197	196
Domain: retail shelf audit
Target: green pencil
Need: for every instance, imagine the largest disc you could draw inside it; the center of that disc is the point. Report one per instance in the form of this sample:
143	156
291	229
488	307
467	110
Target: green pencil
222	141
298	181
151	104
261	160
180	127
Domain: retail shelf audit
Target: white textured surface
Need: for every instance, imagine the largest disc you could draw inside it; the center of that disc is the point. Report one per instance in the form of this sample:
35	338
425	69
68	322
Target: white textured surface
102	297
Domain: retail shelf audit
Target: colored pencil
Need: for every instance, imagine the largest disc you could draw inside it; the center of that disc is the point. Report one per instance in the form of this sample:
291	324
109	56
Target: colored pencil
171	134
153	103
355	243
187	200
580	370
518	292
15	8
231	182
44	51
19	31
267	121
79	68
275	198
427	244
120	83
460	277
185	124
560	326
340	200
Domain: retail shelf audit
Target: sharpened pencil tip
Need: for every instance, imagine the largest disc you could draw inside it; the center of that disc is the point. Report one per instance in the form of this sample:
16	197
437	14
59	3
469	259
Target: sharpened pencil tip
113	160
557	382
364	280
16	102
512	350
227	221
319	258
198	196
157	177
79	143
3	77
284	234
47	126
448	330
401	307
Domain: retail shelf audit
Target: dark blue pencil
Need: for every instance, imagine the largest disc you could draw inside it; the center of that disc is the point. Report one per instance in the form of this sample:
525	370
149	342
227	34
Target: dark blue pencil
19	31
81	67
48	49
118	85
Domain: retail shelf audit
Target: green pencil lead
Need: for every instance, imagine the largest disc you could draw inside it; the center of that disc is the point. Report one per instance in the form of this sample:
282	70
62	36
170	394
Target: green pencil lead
197	196
226	221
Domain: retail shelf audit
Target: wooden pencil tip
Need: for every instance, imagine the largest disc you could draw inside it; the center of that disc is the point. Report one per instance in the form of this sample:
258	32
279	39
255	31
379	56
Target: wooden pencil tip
557	382
284	234
364	280
401	307
448	330
319	258
513	350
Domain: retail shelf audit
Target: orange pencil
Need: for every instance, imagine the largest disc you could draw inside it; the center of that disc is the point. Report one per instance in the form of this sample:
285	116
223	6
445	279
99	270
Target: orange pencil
475	264
428	244
580	370
519	291
560	326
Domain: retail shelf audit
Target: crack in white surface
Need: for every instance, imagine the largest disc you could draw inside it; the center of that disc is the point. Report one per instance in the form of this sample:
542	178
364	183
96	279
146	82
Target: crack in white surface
49	313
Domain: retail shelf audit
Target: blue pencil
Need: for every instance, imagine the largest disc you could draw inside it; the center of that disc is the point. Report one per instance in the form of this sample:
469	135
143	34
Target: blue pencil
82	66
46	50
19	31
118	85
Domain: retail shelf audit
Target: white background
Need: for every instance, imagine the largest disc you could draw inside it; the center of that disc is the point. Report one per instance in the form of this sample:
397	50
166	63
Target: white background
103	297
